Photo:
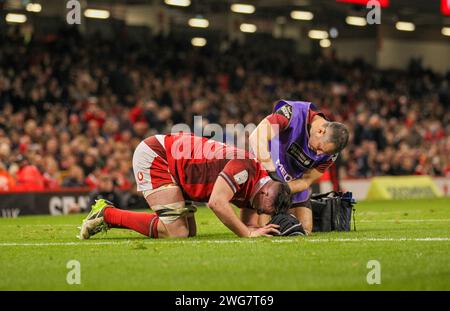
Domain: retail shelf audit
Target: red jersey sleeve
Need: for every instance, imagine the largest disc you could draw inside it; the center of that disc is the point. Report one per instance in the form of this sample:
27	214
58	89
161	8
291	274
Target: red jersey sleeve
281	117
238	173
325	165
276	119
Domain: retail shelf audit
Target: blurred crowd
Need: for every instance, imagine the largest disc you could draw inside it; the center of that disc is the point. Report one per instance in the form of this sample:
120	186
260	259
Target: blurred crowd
72	109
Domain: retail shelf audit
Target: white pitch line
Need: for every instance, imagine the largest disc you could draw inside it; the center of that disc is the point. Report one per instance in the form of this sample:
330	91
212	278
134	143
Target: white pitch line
367	240
41	225
306	240
357	220
403	220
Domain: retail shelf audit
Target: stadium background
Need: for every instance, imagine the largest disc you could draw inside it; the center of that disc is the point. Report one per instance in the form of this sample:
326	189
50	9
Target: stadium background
76	100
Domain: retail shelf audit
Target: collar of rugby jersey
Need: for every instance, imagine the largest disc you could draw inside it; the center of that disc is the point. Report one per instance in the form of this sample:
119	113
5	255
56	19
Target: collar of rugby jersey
258	187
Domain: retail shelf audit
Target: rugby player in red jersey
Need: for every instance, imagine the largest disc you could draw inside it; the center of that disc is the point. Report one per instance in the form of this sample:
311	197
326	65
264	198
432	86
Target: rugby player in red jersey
173	169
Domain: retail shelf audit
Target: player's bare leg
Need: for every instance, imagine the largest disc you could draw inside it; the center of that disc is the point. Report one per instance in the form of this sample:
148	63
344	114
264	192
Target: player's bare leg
171	197
304	216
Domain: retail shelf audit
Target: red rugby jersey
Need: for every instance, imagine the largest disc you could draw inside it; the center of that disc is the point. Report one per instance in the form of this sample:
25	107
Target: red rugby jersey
197	162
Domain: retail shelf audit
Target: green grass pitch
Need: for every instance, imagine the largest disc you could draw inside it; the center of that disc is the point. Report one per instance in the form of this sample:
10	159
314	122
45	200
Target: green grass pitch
410	240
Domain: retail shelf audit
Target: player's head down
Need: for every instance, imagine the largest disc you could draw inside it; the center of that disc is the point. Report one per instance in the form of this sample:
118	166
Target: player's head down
273	198
329	138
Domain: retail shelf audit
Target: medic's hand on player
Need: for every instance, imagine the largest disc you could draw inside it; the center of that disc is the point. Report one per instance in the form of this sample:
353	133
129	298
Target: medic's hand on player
267	230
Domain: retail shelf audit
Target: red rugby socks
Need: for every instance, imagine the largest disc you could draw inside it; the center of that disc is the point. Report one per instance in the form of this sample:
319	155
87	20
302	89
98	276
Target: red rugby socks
144	223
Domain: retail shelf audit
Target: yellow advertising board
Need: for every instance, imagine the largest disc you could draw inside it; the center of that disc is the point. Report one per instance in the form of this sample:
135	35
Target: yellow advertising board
402	187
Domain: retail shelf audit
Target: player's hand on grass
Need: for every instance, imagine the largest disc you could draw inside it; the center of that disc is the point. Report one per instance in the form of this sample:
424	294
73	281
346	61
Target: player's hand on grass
268	230
253	227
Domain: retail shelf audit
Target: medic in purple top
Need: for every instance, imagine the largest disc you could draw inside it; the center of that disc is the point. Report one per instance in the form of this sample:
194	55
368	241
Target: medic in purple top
296	144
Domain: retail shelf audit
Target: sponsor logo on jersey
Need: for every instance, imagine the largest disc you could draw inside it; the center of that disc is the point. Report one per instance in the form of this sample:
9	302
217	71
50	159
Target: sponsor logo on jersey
241	177
140	176
286	111
300	156
286	176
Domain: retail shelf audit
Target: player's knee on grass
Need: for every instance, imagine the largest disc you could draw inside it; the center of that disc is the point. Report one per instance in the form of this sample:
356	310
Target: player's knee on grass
178	229
177	218
168	203
303	212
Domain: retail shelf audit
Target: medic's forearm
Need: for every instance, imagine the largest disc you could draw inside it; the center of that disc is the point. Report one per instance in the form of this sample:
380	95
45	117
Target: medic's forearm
305	181
298	185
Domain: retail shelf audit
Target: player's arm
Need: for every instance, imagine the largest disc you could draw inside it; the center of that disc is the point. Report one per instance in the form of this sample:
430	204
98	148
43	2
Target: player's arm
305	181
259	143
266	130
250	218
220	204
